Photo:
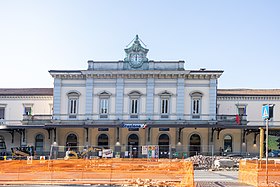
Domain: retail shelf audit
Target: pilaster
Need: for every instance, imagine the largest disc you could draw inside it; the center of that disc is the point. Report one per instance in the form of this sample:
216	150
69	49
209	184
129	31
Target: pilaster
180	98
57	98
150	98
89	98
119	97
212	99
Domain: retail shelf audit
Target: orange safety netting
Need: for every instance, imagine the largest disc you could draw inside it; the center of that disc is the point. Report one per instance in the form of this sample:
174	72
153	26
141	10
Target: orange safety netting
98	171
254	172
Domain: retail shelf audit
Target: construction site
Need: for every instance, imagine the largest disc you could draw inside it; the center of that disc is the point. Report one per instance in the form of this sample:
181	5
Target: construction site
95	165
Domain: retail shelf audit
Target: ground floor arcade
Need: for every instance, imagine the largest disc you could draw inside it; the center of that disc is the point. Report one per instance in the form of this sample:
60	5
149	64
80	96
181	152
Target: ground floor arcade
129	142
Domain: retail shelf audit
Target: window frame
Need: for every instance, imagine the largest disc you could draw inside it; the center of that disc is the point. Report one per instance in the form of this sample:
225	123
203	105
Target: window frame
134	103
196	104
73	99
104	96
42	147
165	104
4	111
241	106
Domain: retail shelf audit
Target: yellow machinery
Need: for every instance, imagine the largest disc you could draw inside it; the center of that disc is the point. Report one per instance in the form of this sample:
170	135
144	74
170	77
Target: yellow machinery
22	152
70	154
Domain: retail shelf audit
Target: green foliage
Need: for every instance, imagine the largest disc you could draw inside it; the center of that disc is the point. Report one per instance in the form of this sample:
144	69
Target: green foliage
272	143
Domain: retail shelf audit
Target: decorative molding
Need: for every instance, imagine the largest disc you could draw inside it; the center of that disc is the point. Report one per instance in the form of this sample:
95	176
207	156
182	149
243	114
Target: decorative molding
138	74
248	98
28	97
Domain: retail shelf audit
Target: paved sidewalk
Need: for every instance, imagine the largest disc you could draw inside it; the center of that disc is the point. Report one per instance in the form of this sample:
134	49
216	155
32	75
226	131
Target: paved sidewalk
217	179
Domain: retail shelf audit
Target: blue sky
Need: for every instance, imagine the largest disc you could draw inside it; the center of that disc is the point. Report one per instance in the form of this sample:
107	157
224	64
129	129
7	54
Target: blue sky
240	37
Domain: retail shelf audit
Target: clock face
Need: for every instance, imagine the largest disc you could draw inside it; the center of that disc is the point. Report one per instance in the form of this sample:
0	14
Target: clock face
136	60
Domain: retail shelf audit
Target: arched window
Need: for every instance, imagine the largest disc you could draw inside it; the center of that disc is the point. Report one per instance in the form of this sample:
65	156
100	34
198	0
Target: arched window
163	142
195	143
39	143
228	144
103	140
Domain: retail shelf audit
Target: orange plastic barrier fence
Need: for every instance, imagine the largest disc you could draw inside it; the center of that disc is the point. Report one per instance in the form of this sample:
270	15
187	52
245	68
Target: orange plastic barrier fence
98	171
254	172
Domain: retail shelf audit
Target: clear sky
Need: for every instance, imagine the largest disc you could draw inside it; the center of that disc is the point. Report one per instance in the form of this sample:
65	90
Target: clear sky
241	37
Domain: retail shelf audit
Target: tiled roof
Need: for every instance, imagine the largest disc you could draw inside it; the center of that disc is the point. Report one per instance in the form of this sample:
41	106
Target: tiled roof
26	91
248	92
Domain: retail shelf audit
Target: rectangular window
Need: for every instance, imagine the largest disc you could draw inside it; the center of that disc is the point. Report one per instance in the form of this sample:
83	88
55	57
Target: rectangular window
134	106
2	113
163	129
196	106
164	106
242	110
103	129
73	106
104	106
27	110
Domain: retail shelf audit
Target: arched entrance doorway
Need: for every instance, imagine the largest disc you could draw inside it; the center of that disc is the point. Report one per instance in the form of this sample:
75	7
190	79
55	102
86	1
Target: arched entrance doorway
133	142
195	143
72	142
39	144
163	142
103	140
2	146
228	144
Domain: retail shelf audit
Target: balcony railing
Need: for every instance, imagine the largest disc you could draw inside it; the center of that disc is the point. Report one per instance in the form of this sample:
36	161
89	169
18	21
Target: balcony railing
232	119
187	119
37	117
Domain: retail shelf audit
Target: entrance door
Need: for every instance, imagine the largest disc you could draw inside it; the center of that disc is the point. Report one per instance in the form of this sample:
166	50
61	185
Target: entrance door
2	146
163	142
103	141
195	144
133	142
72	142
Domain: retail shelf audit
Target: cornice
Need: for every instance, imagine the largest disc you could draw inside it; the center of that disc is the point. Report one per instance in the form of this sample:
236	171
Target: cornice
27	97
248	98
138	74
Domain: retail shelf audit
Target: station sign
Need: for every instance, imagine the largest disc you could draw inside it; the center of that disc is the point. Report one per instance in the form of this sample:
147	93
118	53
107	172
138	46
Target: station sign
133	126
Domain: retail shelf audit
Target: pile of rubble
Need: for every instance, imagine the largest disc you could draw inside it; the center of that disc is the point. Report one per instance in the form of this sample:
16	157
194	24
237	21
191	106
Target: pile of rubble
213	162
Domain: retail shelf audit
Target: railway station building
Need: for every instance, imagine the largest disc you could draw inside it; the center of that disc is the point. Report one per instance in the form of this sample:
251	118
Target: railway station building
136	102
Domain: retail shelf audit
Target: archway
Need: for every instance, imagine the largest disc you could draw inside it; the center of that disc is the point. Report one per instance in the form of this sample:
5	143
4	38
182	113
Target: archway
195	143
163	142
103	140
228	144
72	142
39	144
133	142
2	146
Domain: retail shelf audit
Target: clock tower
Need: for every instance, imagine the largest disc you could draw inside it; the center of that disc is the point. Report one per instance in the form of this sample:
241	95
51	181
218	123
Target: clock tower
136	55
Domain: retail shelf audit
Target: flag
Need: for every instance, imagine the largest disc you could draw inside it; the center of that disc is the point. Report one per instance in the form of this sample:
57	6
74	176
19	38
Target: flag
237	119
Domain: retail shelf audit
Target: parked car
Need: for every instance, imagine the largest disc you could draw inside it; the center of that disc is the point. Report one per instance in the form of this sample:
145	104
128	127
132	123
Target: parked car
274	153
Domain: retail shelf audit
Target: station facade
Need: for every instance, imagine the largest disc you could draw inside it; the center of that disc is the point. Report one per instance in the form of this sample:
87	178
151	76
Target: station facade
136	102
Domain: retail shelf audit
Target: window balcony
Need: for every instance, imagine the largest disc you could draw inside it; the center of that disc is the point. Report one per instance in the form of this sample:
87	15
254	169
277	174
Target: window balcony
36	119
232	119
